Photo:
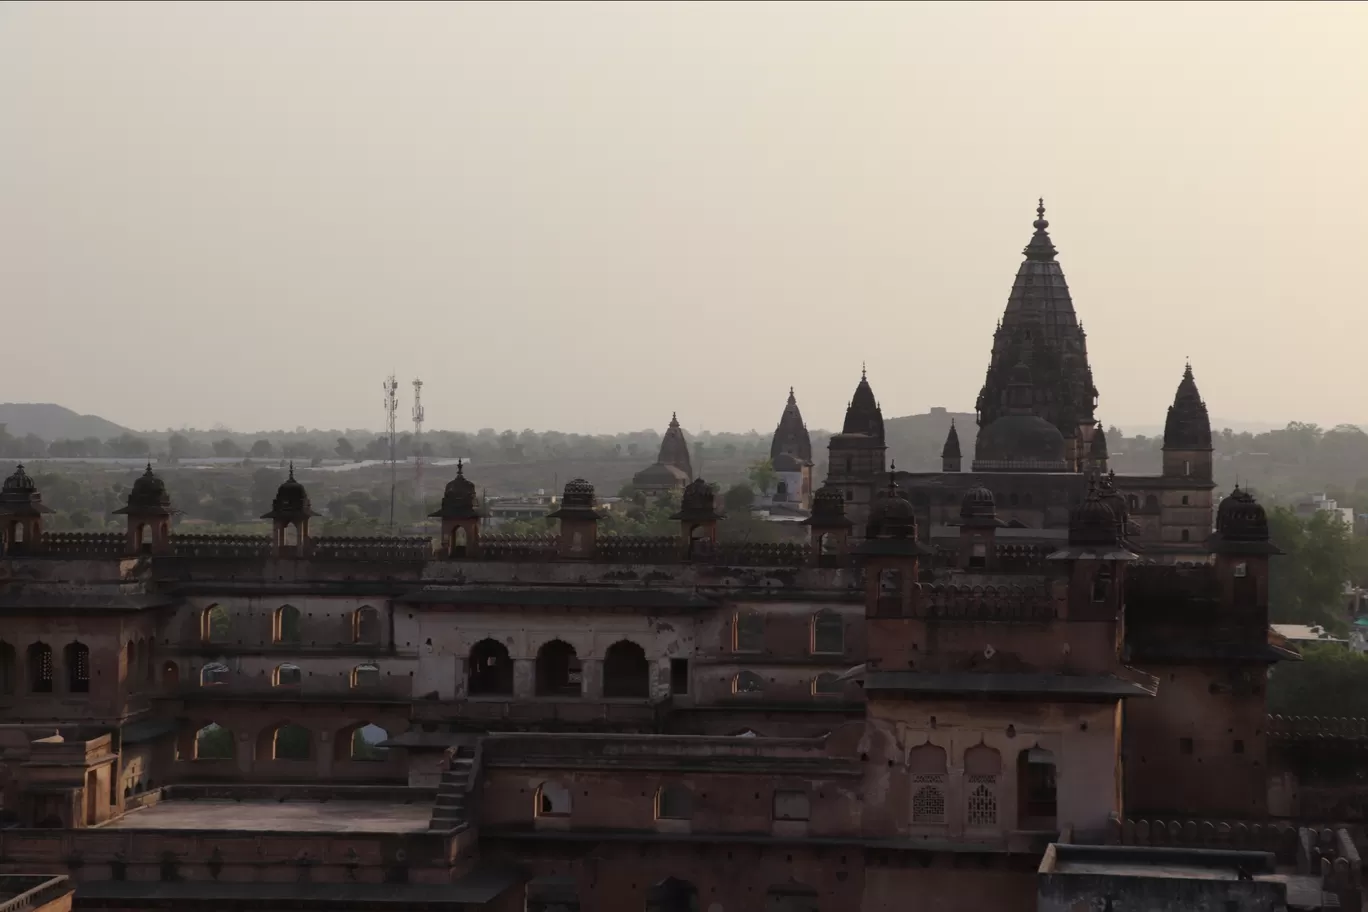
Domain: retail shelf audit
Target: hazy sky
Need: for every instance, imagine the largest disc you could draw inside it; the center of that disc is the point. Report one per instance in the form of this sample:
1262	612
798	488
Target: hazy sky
584	216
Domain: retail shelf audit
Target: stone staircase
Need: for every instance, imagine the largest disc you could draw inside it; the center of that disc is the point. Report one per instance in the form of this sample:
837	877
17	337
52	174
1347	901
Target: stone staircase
449	811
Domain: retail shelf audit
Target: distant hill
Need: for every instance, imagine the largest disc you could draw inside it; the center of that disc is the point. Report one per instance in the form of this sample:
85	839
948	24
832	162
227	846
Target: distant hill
915	441
54	422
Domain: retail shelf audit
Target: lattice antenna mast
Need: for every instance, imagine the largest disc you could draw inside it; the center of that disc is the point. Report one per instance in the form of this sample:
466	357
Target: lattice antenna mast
418	444
391	387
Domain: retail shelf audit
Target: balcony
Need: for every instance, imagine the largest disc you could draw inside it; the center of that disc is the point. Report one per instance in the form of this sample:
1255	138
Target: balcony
512	713
332	690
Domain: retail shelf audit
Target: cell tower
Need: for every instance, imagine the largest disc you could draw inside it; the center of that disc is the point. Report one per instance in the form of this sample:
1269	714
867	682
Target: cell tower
418	444
391	414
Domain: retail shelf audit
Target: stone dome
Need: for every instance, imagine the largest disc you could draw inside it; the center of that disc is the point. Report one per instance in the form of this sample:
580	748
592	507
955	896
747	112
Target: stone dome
578	494
19	483
698	503
460	486
1020	438
978	503
1092	523
892	514
1241	518
149	493
291	500
828	499
458	498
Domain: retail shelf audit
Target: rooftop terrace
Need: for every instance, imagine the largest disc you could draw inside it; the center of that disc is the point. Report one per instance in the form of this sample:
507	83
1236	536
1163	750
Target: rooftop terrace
278	816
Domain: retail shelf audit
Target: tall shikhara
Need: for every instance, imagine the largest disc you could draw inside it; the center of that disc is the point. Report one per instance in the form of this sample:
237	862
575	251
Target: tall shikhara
1040	330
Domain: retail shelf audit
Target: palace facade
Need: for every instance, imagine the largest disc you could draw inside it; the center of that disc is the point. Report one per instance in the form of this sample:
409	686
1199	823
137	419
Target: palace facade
1007	688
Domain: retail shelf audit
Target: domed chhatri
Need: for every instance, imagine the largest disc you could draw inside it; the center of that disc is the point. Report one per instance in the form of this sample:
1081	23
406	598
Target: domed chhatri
458	499
699	504
19	482
979	508
291	500
19	495
893	515
828	509
577	501
148	497
1092	524
1241	526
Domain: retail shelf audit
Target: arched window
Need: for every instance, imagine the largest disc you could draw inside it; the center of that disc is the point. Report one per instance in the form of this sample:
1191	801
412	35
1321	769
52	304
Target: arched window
213	742
674	802
366	625
213	674
748	631
458	542
291	535
489	670
287	675
215	625
553	800
781	491
8	661
285	629
626	673
1035	789
890	582
826	544
828	633
365	675
826	685
286	742
78	667
982	768
558	670
170	674
1151	502
40	668
748	682
362	742
672	895
1185	535
927	767
1185	500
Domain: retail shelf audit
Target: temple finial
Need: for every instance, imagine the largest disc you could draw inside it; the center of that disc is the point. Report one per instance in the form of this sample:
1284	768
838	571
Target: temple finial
863	372
291	470
460	468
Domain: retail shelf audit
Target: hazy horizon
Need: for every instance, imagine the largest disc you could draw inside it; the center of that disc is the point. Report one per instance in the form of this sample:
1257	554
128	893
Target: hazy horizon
583	217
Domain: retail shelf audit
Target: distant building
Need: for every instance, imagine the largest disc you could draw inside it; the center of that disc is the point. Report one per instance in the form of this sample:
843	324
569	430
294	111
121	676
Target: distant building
791	459
672	469
1306	635
1308	505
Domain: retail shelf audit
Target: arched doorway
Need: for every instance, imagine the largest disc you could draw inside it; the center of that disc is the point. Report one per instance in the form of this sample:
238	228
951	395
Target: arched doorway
489	670
558	670
626	673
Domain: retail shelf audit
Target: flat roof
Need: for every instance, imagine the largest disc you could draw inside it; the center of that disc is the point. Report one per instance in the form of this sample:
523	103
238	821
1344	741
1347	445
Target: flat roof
287	816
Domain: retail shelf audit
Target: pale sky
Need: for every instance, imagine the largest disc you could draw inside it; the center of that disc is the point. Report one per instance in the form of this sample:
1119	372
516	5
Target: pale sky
584	216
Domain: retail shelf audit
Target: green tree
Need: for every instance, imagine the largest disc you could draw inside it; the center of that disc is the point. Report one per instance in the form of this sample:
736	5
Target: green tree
262	449
128	445
178	447
738	499
1306	584
1330	680
227	448
344	449
761	475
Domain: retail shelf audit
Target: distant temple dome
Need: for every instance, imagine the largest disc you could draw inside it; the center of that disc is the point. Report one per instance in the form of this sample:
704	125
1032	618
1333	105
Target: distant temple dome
1016	438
